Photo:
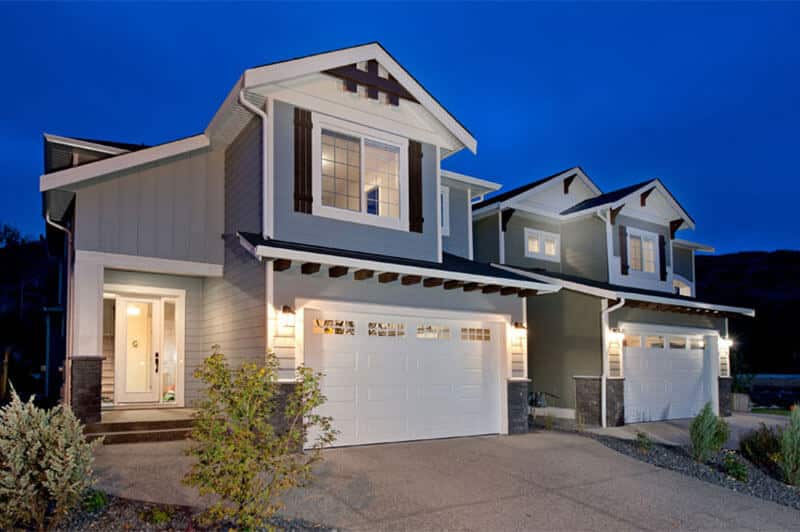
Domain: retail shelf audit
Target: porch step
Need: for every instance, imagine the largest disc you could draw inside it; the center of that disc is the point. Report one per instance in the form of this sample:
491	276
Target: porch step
140	436
105	427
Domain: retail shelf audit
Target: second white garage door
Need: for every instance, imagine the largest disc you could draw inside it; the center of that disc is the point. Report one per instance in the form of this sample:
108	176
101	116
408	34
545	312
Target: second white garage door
663	376
395	377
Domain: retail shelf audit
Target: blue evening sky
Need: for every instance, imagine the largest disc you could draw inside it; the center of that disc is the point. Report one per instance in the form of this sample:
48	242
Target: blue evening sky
704	96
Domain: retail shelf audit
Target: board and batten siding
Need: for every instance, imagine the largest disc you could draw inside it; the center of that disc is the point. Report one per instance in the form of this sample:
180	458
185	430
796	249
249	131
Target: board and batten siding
243	192
325	231
169	210
457	243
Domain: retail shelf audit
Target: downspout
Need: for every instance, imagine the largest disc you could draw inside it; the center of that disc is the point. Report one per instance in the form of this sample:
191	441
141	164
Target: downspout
70	298
266	228
604	375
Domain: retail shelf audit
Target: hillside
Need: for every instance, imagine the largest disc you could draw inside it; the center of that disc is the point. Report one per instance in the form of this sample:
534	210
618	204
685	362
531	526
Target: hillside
770	283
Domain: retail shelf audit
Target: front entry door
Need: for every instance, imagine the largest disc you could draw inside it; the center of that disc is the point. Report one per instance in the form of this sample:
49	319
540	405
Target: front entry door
137	349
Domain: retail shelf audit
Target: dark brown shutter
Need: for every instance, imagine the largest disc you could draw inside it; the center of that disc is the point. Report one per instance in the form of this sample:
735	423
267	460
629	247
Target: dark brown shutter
662	256
302	161
415	186
623	249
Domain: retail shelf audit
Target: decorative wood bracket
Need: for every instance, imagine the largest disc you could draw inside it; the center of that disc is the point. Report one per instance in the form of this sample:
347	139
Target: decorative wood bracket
353	77
280	265
612	214
505	217
450	285
430	282
387	277
674	225
567	182
490	289
410	279
361	275
337	271
643	196
310	267
508	290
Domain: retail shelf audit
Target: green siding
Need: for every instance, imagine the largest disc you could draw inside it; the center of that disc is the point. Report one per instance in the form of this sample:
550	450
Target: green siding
485	239
515	241
583	249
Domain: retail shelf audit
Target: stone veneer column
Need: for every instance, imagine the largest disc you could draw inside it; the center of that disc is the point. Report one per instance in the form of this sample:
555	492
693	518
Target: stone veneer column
518	406
85	384
725	396
615	402
588	397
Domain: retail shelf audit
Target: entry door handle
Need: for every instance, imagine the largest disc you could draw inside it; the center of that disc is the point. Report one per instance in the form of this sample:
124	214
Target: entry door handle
156	361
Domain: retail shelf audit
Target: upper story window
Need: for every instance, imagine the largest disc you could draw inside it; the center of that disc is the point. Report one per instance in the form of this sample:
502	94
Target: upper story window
360	174
542	245
444	201
642	251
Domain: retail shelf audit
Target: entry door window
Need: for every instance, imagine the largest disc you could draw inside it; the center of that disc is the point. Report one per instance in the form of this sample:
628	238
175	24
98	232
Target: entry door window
139	352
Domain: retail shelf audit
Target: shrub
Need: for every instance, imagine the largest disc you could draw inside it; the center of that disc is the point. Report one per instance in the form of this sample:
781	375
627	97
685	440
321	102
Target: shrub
94	501
643	441
790	449
45	464
708	434
734	467
762	446
548	422
157	516
249	436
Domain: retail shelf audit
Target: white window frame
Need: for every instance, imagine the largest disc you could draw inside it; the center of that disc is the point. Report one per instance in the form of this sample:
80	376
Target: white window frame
644	236
320	122
682	280
541	235
444	199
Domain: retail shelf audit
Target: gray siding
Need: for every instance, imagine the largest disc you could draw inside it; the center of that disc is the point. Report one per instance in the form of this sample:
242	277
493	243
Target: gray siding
683	262
318	230
243	192
564	340
460	216
197	346
666	318
485	239
638	224
169	210
583	249
515	243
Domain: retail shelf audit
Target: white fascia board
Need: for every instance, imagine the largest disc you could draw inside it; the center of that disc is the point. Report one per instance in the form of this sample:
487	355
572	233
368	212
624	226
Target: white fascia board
231	100
664	192
139	263
693	245
268	252
614	294
70	176
477	186
77	143
285	70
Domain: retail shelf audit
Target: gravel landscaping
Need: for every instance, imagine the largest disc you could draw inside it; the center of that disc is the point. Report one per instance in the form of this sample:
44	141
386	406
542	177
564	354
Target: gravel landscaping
758	484
125	514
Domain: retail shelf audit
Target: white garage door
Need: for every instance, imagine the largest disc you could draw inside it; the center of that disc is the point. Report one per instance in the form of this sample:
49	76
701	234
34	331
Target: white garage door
395	377
663	376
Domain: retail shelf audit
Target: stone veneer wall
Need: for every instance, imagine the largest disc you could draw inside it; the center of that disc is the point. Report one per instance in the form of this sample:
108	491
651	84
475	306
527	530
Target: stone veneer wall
518	407
587	401
615	402
725	396
86	384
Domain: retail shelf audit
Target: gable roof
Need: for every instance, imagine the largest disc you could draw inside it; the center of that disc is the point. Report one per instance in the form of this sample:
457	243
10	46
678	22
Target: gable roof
514	192
127	146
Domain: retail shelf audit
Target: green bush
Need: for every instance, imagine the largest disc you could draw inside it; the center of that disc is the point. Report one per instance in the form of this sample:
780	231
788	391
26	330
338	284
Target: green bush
643	441
45	464
734	467
241	456
94	501
708	434
157	516
762	446
790	449
548	422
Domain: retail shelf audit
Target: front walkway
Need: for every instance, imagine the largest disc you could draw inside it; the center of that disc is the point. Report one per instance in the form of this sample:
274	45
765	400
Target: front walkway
676	431
546	480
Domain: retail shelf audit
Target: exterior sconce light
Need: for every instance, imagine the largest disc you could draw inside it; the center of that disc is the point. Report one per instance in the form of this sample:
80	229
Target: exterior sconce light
520	330
725	343
286	318
616	335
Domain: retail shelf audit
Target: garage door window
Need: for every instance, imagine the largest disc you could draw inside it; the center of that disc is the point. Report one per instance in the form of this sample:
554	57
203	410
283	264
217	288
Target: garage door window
696	343
473	334
334	327
386	329
633	340
654	342
677	342
433	332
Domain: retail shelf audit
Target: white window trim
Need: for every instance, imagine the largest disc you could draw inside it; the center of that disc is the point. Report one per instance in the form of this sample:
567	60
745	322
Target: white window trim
321	121
529	232
644	235
444	199
684	280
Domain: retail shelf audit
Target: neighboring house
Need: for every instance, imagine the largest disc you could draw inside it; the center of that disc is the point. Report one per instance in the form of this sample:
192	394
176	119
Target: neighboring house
625	340
311	218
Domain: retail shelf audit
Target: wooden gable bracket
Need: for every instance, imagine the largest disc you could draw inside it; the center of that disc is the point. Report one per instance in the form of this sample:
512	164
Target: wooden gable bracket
337	271
643	196
361	275
451	285
471	287
567	182
674	225
387	277
354	76
612	214
527	292
407	280
508	290
505	217
430	282
310	267
490	289
280	265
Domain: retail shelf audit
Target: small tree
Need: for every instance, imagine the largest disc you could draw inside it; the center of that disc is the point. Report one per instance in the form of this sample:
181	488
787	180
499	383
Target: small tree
45	464
708	434
249	438
790	448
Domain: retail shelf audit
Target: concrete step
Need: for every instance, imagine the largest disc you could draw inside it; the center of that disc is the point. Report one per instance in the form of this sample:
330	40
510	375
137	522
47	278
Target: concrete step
105	427
140	436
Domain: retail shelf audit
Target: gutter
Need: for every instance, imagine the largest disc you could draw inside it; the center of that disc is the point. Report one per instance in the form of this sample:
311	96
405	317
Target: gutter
70	299
604	375
266	228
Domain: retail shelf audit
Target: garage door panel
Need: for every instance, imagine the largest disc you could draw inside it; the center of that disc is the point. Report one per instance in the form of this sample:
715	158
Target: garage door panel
392	393
339	394
338	360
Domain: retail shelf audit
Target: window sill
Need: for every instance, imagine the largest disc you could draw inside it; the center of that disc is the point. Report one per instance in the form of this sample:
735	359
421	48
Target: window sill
344	215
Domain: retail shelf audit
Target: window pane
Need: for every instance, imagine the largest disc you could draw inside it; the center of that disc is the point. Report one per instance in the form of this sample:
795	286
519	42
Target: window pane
696	343
341	170
382	178
632	341
649	256
550	247
635	258
677	342
533	244
654	342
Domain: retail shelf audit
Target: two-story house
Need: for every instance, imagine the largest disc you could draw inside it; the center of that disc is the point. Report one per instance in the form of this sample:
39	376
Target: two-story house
311	219
625	340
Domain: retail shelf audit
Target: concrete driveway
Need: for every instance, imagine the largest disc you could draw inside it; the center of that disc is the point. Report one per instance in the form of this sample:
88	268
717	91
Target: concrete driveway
545	481
676	431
